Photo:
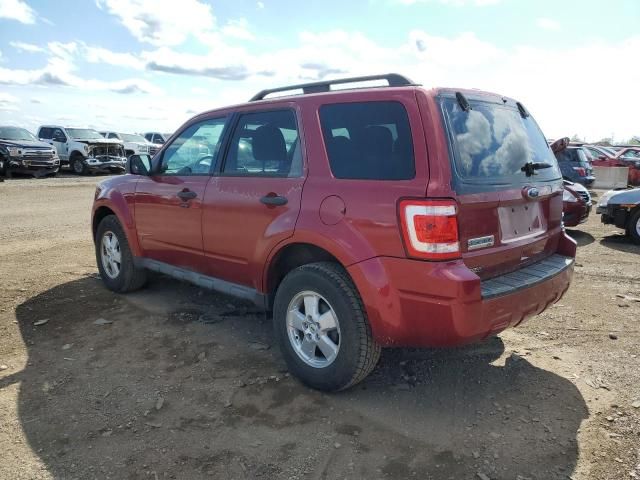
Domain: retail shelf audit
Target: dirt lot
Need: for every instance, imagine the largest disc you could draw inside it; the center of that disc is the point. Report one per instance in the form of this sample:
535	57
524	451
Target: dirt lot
176	382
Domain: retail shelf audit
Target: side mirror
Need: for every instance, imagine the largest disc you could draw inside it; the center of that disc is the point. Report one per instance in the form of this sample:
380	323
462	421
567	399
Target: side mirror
139	165
602	157
59	138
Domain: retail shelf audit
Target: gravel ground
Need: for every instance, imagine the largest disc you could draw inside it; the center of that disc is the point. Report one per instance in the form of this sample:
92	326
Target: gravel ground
177	382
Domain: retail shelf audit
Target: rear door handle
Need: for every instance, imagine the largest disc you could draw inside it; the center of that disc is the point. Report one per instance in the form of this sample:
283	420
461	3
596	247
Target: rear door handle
274	200
185	195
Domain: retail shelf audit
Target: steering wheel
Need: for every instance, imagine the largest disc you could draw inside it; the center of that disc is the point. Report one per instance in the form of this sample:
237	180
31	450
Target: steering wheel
188	170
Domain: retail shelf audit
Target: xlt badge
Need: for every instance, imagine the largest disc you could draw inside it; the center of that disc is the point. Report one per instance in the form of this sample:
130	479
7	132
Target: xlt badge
480	242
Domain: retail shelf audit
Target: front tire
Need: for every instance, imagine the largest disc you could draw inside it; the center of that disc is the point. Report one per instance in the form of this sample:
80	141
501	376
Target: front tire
322	327
633	229
78	165
114	258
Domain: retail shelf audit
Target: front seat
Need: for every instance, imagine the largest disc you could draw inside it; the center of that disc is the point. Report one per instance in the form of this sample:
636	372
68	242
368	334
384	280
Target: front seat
269	146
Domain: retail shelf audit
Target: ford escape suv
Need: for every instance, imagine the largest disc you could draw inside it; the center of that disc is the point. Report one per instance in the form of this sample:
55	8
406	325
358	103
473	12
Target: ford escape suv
362	218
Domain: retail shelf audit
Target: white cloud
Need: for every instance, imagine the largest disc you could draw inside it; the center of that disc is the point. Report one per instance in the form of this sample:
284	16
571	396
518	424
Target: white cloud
455	3
260	5
60	71
237	29
8	102
63	50
548	24
162	22
26	47
17	10
102	55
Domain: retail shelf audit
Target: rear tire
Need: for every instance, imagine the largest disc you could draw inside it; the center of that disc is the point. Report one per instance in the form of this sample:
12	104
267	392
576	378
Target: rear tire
114	258
311	299
633	228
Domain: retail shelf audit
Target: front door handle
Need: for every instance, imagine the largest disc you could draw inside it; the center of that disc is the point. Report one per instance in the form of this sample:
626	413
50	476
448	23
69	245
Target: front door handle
185	195
274	200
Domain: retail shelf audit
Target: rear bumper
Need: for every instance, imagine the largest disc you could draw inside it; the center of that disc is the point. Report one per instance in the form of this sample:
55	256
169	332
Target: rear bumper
431	304
586	181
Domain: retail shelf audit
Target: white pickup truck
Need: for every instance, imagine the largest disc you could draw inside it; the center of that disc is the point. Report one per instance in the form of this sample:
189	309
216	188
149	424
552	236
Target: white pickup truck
134	144
84	149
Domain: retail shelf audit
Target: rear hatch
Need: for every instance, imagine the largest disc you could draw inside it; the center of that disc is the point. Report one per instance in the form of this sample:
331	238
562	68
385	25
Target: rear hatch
507	180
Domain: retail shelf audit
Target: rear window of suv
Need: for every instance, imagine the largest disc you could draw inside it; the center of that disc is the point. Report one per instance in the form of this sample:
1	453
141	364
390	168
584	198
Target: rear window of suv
573	155
492	142
368	140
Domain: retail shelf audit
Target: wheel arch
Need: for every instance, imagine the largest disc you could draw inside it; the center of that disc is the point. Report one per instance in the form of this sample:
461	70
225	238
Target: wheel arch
117	206
289	257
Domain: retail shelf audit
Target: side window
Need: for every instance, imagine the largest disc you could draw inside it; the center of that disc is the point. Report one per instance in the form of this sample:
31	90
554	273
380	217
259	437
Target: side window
195	151
112	135
158	139
265	144
46	132
368	140
59	135
147	136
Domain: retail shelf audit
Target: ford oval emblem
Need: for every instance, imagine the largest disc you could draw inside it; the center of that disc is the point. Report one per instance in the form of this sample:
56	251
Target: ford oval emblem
533	192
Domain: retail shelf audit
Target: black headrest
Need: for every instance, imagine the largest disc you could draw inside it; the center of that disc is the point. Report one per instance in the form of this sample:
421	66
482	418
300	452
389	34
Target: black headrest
268	144
378	140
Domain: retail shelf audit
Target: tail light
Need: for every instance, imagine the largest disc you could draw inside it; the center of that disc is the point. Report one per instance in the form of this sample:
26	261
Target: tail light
581	171
430	228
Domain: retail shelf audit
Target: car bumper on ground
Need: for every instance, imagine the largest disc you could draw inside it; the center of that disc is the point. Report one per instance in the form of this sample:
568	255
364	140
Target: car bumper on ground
95	164
412	303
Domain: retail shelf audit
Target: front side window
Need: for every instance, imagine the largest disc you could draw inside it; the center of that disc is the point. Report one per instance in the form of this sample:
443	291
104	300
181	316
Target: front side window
265	144
368	140
492	142
195	151
59	135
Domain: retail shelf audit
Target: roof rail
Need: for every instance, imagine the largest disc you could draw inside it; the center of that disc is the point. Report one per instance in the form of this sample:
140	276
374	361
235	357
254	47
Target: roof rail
393	79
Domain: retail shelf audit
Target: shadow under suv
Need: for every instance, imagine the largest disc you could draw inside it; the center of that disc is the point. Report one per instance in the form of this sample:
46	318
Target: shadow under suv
362	218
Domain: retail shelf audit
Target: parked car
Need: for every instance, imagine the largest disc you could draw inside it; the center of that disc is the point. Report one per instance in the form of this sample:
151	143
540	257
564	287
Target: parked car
157	137
599	152
573	161
576	204
134	144
390	216
622	209
21	152
84	149
630	157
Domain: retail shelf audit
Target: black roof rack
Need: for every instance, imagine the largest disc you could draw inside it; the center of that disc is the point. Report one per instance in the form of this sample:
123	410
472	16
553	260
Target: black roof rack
393	79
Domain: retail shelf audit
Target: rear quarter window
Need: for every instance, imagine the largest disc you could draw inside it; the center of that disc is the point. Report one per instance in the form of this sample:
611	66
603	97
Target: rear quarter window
368	140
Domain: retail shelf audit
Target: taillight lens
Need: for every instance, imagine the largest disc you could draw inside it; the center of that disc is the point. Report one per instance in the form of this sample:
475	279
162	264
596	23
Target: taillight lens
581	171
430	228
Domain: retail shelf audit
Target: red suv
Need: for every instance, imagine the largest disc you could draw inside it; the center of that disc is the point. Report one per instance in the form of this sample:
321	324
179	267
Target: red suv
362	218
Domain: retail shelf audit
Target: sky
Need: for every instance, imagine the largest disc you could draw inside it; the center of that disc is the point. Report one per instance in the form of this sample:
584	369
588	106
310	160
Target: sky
150	65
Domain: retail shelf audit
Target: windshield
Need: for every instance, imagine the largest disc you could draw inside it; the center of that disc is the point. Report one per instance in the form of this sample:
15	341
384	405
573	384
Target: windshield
15	133
492	142
632	154
128	137
83	133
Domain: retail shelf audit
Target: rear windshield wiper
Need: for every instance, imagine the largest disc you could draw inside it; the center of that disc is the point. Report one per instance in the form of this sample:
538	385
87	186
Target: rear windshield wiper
530	168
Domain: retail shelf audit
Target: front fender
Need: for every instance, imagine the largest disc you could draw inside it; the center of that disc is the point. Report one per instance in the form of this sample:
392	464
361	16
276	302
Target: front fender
118	195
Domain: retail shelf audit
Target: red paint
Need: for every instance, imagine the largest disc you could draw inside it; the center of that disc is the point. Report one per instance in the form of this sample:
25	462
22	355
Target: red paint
228	233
